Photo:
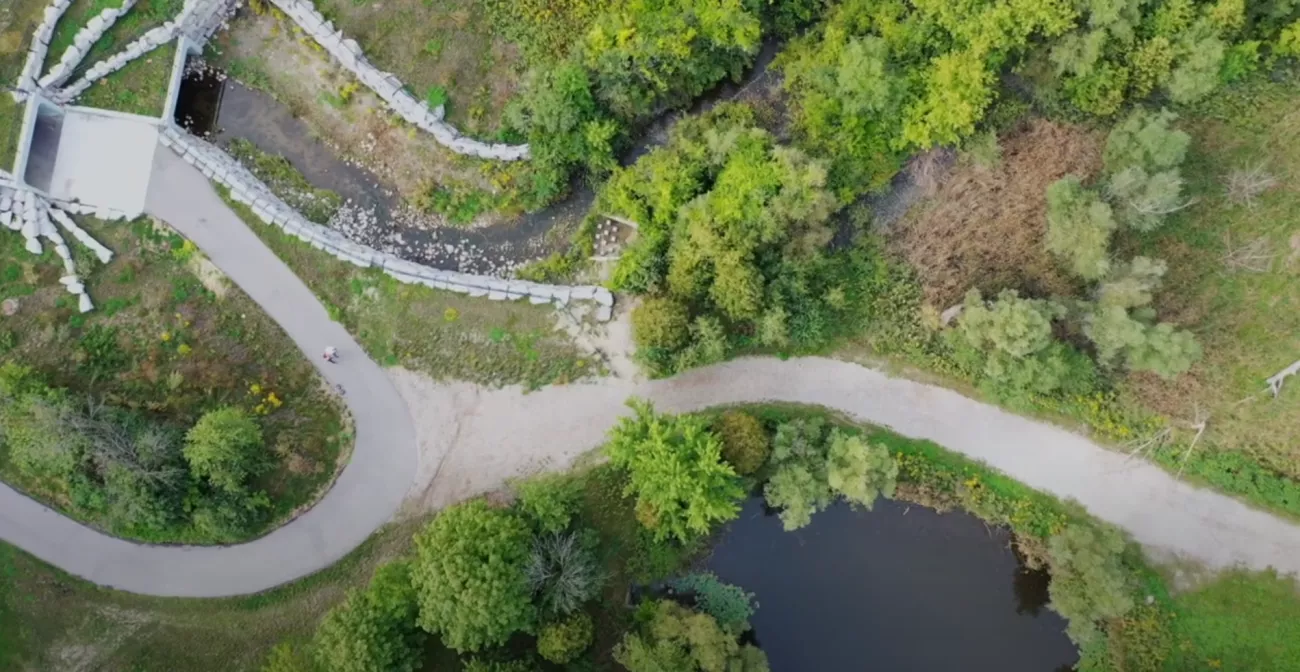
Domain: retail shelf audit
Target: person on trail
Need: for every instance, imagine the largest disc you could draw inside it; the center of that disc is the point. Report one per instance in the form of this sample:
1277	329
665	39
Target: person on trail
331	354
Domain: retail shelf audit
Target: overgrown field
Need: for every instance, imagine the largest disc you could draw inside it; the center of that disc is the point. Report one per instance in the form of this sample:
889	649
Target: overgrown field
445	335
1237	621
170	340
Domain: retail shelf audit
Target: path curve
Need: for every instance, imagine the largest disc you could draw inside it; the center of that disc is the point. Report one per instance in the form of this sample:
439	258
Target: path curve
364	497
1161	512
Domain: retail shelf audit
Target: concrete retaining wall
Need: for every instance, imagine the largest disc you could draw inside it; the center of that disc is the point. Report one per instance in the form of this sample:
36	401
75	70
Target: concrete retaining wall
245	188
388	87
81	44
24	210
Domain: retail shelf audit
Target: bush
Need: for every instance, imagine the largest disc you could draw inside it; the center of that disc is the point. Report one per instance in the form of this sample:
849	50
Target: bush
661	324
374	629
1122	326
745	444
798	486
859	471
1089	583
34	426
562	573
225	447
564	641
1079	226
673	637
286	657
729	605
549	501
470	576
676	471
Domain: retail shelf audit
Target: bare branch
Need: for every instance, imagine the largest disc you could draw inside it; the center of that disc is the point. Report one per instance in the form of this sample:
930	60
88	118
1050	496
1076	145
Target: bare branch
1254	256
1275	381
1245	185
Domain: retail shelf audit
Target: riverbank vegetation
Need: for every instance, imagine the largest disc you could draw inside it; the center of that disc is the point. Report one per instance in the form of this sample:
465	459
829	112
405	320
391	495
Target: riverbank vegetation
565	553
445	335
175	412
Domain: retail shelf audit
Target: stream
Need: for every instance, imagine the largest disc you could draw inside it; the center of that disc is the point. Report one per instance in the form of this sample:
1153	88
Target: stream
899	588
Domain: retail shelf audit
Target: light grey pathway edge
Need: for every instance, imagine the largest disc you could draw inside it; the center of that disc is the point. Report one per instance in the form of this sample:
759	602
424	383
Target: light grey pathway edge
1159	511
363	498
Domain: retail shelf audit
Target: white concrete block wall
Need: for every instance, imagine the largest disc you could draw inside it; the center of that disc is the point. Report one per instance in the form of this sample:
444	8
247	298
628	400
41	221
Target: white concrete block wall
27	212
144	44
388	87
81	44
245	188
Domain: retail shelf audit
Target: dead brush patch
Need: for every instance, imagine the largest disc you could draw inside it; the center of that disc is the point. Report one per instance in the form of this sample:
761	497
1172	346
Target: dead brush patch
984	227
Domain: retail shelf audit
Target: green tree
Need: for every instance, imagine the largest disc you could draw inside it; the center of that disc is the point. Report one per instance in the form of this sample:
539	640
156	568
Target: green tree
1147	140
1089	583
859	471
549	501
285	657
745	444
470	576
676	471
729	605
661	323
672	637
225	447
1122	326
374	629
35	427
799	485
1016	352
645	55
563	641
1079	226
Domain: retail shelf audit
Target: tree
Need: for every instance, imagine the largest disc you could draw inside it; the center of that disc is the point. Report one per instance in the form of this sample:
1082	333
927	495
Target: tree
675	469
745	444
729	605
225	446
374	629
859	471
549	501
562	573
799	486
565	640
1015	351
1146	198
470	576
1143	154
661	323
652	54
1079	226
673	637
285	657
1089	583
1121	324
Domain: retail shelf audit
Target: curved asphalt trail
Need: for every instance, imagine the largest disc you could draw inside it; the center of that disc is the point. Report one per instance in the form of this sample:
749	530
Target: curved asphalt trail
1161	512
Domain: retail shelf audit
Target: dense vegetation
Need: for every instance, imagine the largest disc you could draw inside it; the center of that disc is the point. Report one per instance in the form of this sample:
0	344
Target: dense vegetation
1118	611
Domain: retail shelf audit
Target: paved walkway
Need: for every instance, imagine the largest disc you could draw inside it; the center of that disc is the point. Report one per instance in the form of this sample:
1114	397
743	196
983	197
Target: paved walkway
1158	510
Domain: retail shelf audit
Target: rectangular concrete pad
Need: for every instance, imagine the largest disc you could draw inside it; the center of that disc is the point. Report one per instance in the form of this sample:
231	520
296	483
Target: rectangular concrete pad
105	161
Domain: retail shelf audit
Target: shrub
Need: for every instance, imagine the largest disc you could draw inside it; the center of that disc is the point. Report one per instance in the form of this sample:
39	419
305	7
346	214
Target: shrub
564	641
745	444
1121	325
859	471
562	573
798	486
549	501
1079	226
676	471
470	576
373	629
225	447
729	605
1010	344
286	657
1089	583
661	323
34	427
673	637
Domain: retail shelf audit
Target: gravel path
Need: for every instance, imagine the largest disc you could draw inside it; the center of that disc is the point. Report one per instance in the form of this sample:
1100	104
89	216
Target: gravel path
469	439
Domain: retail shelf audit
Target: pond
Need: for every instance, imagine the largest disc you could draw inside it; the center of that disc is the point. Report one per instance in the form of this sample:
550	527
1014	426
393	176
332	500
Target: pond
898	588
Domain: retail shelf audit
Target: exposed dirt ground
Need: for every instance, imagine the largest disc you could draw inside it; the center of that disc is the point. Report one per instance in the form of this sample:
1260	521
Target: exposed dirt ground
984	226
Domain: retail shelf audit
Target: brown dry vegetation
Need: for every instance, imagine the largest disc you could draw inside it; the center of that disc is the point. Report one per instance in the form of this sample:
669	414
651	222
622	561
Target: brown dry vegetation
984	226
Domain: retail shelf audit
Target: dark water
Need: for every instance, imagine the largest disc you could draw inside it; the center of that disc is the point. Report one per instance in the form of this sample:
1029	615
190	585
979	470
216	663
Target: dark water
896	589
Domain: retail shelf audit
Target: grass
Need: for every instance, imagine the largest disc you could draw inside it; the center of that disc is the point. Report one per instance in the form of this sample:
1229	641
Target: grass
1248	321
143	17
317	205
437	44
139	88
1240	621
52	621
169	338
18	21
11	125
78	14
446	335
